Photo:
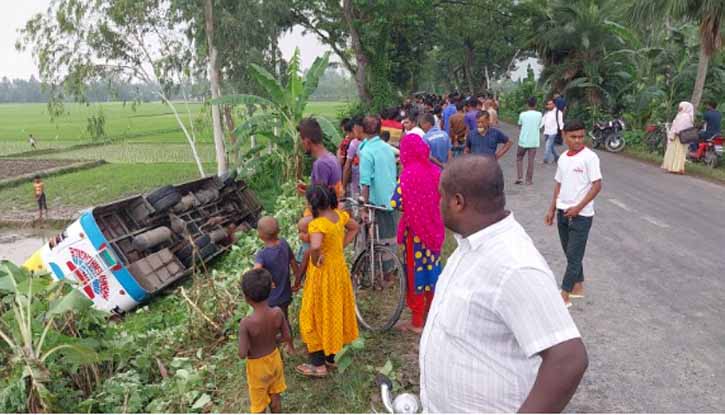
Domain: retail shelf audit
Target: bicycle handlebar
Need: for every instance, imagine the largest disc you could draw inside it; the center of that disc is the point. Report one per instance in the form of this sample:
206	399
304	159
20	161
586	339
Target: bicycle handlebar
360	203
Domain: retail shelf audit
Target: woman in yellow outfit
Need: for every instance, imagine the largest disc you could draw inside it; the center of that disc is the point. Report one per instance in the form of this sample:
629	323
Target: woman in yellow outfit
327	316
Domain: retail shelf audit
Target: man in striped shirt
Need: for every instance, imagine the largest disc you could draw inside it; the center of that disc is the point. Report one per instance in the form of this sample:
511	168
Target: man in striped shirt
498	337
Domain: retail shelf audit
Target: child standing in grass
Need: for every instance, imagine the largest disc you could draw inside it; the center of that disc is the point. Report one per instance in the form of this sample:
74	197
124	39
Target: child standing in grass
277	258
327	315
258	335
39	188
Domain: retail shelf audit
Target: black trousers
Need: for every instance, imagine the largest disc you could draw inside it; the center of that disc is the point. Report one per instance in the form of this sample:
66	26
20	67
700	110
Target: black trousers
573	234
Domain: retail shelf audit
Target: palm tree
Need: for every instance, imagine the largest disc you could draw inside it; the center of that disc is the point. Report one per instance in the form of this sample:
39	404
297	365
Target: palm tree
572	37
708	14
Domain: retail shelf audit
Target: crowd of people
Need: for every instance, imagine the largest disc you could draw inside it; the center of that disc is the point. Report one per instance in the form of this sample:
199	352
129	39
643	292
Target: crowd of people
495	331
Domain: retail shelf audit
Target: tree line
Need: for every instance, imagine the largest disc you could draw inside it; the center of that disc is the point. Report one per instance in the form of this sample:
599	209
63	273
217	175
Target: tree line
606	56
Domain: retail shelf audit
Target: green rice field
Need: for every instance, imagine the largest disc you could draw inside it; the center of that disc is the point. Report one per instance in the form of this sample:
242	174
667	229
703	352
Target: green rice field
148	150
147	123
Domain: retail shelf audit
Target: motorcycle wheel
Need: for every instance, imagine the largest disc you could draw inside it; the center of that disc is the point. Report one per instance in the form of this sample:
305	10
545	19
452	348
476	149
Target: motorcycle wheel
711	159
614	143
596	142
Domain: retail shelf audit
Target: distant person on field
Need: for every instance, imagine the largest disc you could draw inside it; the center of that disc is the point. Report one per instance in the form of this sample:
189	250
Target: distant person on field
32	142
258	343
39	188
276	257
529	141
484	139
578	181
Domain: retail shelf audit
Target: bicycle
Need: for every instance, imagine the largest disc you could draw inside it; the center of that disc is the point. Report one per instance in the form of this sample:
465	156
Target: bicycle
378	280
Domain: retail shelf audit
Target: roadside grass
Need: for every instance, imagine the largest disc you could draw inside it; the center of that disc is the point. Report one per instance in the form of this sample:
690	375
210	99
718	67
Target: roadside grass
692	169
98	185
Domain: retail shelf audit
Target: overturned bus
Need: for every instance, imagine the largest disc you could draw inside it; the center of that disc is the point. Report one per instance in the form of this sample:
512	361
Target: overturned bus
123	253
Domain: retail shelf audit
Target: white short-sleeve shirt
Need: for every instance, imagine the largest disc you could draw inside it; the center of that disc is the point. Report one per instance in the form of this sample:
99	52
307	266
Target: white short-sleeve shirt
576	174
496	307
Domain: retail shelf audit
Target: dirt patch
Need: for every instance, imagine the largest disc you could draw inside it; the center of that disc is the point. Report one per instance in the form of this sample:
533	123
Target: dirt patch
13	168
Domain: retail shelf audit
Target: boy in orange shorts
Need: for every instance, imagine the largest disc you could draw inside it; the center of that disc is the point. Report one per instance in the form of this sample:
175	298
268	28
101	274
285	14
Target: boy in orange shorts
258	335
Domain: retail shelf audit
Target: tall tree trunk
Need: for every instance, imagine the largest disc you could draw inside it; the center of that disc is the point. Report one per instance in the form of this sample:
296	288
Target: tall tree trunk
360	57
216	118
702	65
468	65
487	80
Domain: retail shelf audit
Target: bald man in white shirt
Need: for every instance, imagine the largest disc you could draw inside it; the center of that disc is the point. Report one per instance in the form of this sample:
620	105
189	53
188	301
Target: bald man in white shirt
498	337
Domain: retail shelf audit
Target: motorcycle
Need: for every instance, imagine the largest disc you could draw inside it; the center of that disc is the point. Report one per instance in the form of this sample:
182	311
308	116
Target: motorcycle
609	134
405	403
709	152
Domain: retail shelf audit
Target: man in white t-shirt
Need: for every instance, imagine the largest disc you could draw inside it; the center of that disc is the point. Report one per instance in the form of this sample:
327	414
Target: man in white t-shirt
551	123
578	182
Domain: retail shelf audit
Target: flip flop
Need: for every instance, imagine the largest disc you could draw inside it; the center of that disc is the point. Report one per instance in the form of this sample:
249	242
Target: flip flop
306	369
519	182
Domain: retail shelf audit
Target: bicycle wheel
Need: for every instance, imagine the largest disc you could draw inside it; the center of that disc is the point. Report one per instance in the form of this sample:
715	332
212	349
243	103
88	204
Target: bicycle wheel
380	286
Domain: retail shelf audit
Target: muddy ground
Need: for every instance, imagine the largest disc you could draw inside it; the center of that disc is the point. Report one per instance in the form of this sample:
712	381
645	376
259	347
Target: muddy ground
13	168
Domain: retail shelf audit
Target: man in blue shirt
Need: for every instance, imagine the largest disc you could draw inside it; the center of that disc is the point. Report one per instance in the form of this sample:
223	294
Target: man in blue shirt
474	107
378	180
437	139
484	140
560	102
713	121
449	110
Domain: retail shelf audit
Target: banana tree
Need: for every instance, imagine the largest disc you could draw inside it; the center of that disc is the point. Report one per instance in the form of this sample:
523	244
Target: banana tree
30	307
282	109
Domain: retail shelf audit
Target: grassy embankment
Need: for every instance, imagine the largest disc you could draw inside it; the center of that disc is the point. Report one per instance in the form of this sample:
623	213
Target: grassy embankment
154	153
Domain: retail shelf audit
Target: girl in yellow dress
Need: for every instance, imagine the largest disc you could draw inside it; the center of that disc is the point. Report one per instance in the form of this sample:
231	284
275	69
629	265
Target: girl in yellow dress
327	316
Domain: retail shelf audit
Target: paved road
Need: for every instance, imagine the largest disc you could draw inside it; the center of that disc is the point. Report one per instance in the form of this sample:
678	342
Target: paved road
654	317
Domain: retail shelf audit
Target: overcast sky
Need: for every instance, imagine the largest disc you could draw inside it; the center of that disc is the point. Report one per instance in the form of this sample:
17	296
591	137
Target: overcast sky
20	64
16	64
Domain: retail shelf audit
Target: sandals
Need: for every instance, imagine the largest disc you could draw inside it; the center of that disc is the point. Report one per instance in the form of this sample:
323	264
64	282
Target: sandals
519	181
310	371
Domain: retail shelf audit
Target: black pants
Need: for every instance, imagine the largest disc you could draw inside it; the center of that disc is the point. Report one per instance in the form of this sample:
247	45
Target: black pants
573	234
319	358
42	203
